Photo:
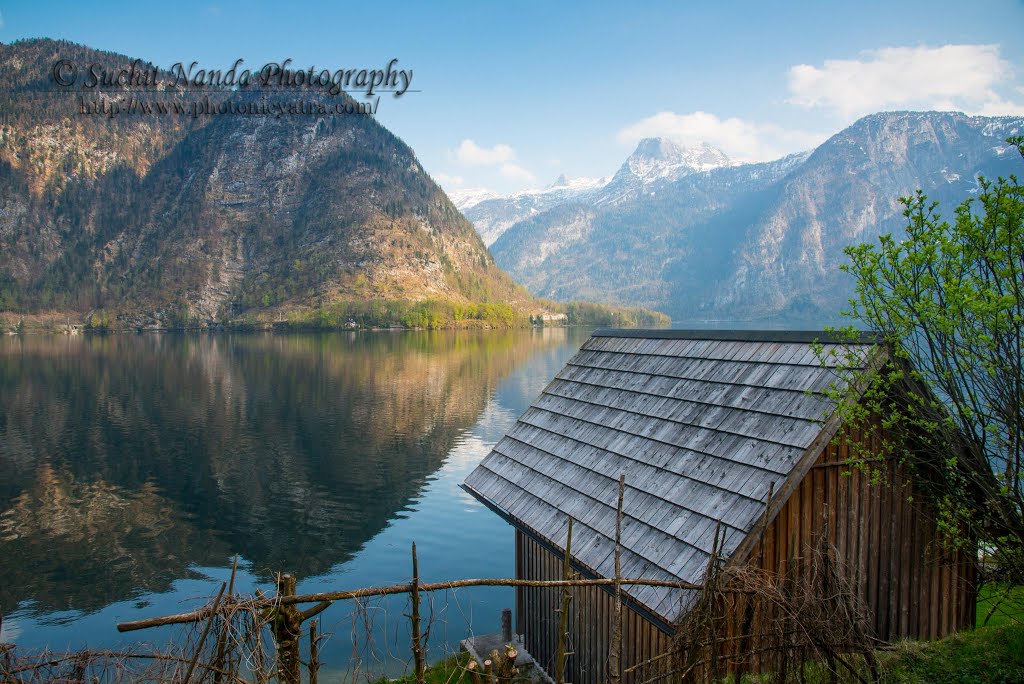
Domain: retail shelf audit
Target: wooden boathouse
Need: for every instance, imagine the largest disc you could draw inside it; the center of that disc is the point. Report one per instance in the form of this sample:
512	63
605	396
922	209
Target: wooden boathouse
704	425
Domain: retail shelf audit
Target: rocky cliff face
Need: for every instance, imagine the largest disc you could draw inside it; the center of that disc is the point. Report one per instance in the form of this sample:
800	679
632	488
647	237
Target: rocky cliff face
847	192
753	241
159	217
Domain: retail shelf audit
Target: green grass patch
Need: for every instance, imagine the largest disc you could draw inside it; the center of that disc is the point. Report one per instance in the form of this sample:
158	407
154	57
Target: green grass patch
1000	605
987	654
448	671
452	670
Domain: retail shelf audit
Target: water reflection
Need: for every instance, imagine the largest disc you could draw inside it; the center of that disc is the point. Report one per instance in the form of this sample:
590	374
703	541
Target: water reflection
129	461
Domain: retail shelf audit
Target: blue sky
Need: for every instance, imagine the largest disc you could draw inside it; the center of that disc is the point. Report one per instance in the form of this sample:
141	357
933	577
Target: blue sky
514	93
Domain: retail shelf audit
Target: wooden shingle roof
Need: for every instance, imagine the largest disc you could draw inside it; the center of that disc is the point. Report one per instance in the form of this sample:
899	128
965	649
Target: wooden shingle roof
702	423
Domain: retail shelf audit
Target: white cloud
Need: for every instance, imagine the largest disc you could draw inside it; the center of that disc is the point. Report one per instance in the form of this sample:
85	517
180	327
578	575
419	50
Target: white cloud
960	77
472	154
517	173
740	139
447	180
1000	107
1	20
501	157
969	78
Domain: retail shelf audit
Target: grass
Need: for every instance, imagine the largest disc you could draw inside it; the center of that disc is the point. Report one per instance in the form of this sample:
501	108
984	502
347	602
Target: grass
450	670
447	671
987	654
1000	605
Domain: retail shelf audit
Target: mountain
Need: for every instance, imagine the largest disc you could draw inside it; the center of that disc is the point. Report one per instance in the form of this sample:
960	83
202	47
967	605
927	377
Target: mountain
661	158
162	218
703	239
655	162
492	214
615	247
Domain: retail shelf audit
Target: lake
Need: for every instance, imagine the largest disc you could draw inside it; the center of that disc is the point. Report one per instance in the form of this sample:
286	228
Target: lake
135	467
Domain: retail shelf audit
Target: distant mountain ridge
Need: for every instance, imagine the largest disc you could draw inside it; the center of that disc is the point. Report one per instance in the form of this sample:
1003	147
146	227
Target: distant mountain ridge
702	238
655	161
492	214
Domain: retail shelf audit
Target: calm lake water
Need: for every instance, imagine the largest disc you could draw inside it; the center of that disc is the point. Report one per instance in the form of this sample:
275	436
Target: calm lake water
134	467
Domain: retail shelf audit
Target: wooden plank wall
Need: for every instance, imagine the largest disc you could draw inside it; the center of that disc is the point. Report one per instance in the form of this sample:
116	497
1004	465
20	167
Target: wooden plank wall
889	545
590	623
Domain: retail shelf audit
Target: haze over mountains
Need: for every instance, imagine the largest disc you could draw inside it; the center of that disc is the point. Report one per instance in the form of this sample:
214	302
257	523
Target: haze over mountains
691	233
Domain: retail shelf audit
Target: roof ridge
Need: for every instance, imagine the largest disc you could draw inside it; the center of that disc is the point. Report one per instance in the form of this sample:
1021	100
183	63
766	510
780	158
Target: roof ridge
799	336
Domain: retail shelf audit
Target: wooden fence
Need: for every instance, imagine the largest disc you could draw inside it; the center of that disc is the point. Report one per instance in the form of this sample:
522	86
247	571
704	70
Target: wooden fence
792	623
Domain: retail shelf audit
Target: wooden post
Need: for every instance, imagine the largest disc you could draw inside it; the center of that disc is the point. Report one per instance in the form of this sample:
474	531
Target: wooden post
615	647
506	664
563	622
474	672
417	644
506	625
287	630
314	653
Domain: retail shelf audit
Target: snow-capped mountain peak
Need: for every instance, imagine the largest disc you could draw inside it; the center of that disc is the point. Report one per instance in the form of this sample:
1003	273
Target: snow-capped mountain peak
492	213
464	198
657	158
658	161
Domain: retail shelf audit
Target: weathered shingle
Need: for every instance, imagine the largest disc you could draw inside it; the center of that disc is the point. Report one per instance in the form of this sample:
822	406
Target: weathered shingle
701	423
